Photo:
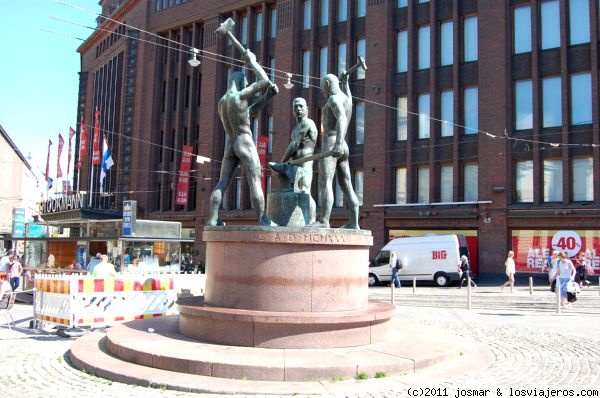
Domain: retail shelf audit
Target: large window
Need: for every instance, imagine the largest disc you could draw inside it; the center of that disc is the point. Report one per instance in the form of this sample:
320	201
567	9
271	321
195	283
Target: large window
342	14
424	115
244	38
522	29
581	98
446	43
423	47
361	8
402	52
324	14
583	179
553	186
258	28
446	183
361	51
401	3
238	193
358	186
323	61
471	182
274	22
550	22
579	21
471	110
305	69
551	102
401	118
524	181
447	113
359	113
470	39
272	66
306	11
341	57
270	134
401	185
423	185
523	105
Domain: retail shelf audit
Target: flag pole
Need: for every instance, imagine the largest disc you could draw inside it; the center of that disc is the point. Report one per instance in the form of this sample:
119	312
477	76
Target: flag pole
91	184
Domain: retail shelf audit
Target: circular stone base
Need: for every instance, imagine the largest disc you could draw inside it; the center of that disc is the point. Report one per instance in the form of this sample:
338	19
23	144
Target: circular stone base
265	329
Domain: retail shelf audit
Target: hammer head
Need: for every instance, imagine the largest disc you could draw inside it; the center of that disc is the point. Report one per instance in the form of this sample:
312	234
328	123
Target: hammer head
225	27
362	63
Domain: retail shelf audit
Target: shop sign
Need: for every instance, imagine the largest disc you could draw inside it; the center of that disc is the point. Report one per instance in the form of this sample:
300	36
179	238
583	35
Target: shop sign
532	247
18	223
62	203
129	217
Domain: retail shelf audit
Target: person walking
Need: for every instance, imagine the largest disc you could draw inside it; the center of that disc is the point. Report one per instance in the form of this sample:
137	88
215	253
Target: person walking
396	266
581	270
565	274
104	269
509	270
466	272
15	269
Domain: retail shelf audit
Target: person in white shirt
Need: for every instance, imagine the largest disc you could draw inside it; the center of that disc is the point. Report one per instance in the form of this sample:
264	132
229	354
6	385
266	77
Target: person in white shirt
104	269
510	270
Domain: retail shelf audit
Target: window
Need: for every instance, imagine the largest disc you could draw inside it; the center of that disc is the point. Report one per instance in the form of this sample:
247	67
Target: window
359	113
470	39
361	51
306	9
401	3
339	195
238	193
446	43
524	181
579	22
402	52
423	1
401	185
447	113
255	129
341	60
274	22
305	68
423	185
270	134
324	15
423	47
471	110
523	105
583	179
424	116
244	38
361	8
446	183
258	28
550	21
402	118
342	10
471	182
522	29
358	186
581	98
553	187
322	61
551	102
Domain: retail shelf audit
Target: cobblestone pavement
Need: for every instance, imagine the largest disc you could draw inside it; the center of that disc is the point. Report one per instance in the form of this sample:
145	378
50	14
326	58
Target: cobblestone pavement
534	348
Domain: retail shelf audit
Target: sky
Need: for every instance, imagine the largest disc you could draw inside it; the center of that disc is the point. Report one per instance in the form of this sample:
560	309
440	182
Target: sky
39	79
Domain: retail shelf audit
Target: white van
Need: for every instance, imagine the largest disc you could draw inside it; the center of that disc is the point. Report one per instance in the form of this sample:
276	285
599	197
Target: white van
428	258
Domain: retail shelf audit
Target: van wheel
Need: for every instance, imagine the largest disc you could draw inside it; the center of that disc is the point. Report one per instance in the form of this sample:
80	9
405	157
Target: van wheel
441	279
373	281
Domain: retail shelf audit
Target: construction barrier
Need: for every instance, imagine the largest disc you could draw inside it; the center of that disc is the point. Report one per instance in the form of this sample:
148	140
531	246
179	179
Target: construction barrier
80	300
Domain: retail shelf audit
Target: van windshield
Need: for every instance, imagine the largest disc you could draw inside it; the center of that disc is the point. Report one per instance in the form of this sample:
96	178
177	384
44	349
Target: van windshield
382	258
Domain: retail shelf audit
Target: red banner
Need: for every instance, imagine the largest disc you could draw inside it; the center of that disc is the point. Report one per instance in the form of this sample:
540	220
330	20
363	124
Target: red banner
96	156
83	144
261	146
69	155
48	161
61	144
183	181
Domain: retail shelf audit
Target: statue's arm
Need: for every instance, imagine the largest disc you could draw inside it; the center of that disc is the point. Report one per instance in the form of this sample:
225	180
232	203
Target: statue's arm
292	146
262	101
341	124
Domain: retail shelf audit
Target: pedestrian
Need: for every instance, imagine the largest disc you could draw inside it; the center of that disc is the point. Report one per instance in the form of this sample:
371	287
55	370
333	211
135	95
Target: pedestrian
15	269
581	265
509	270
104	269
552	265
5	261
396	266
93	262
51	260
466	271
565	274
4	285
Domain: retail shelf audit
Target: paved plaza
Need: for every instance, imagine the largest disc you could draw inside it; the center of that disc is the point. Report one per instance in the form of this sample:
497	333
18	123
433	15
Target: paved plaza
529	350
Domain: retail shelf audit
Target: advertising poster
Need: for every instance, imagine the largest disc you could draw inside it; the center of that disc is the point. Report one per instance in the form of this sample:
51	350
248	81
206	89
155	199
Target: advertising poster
532	247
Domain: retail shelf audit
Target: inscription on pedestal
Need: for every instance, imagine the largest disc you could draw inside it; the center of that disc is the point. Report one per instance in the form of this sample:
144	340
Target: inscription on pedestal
289	237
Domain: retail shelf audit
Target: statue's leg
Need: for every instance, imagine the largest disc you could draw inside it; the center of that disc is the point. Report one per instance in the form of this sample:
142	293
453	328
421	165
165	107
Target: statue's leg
345	181
326	174
251	164
227	169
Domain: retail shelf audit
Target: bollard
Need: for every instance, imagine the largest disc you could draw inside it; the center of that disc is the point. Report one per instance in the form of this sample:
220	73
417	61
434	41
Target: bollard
557	290
414	284
392	292
468	292
530	286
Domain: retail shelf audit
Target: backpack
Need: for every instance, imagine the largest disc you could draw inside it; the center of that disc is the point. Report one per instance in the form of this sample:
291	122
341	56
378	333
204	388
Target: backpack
398	265
464	266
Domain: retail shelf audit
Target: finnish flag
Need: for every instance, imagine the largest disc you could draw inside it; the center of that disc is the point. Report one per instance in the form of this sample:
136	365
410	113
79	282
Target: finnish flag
107	163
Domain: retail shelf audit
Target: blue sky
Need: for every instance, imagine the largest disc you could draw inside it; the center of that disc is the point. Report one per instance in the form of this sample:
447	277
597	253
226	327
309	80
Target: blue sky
39	73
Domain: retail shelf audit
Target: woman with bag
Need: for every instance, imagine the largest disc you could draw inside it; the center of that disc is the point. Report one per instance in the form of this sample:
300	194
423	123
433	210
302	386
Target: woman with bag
582	266
565	274
509	269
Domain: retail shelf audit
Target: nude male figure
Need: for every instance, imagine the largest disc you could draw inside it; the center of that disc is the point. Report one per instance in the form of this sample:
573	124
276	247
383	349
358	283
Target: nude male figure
336	116
235	113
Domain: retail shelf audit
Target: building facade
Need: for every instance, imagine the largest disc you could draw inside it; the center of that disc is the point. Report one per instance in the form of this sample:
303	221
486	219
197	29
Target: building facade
474	116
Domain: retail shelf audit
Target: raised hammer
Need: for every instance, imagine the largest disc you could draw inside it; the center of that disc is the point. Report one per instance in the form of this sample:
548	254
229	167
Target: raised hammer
359	64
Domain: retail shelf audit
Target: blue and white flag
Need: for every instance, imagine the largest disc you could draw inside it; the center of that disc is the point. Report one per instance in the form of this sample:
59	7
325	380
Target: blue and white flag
107	163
